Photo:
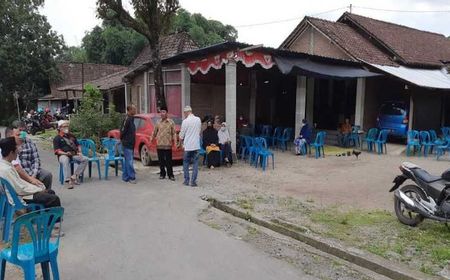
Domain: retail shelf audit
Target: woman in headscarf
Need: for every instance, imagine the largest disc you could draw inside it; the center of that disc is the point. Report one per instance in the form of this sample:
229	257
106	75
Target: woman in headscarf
225	144
211	145
303	138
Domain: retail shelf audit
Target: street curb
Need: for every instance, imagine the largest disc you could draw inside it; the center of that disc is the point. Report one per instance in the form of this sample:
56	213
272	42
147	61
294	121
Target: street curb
364	259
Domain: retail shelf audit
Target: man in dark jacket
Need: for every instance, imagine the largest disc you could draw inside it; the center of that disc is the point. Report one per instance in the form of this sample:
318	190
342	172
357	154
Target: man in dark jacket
127	137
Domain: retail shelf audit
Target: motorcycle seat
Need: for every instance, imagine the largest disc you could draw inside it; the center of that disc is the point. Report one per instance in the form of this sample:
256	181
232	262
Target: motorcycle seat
425	176
446	175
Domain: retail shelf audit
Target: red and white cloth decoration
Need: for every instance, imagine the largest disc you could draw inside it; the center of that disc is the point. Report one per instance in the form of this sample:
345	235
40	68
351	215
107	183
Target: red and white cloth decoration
248	58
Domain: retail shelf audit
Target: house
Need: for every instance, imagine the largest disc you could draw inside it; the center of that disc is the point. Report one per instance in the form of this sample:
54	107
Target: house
412	63
68	89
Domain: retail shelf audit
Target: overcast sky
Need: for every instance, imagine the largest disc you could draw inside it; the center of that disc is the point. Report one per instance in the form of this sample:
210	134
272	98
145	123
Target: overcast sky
72	18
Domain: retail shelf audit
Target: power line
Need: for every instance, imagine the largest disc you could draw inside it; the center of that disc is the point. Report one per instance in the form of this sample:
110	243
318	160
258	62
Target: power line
401	11
289	19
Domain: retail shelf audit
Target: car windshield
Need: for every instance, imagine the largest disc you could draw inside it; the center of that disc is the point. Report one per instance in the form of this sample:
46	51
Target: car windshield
392	109
176	120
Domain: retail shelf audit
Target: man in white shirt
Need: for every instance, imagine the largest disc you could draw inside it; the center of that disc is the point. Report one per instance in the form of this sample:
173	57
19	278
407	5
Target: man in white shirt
28	192
190	136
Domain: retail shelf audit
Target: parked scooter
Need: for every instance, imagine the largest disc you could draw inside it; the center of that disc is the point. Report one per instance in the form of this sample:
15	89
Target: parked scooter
428	198
33	124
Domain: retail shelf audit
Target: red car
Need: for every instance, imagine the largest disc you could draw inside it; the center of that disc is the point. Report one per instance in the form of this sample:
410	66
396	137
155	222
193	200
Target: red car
143	149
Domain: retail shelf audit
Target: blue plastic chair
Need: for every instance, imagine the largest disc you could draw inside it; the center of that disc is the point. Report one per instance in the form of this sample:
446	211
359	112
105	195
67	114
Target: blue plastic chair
285	138
202	152
413	141
10	208
72	167
89	150
115	154
370	138
276	134
318	144
263	154
353	137
440	150
381	141
266	132
43	249
425	142
445	131
242	147
435	139
252	149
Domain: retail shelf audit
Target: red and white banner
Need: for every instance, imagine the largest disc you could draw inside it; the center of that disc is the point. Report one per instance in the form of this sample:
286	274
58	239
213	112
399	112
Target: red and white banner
248	58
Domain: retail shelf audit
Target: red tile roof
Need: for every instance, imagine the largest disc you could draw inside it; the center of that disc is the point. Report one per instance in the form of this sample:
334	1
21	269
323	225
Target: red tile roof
351	41
411	46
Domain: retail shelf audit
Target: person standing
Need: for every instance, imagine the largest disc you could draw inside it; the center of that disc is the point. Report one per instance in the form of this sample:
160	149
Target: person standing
165	136
128	138
191	128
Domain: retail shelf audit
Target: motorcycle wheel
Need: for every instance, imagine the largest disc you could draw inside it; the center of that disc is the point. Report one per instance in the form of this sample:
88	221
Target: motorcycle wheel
404	215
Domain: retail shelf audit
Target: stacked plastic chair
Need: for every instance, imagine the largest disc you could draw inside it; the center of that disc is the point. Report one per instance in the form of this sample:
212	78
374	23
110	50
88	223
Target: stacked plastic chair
318	144
370	138
114	154
381	141
413	141
89	150
263	153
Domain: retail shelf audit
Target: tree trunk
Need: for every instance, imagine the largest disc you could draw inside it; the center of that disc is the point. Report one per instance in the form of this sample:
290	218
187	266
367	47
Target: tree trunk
158	77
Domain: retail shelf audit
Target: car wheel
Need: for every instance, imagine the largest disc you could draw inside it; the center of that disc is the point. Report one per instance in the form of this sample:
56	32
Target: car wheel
145	156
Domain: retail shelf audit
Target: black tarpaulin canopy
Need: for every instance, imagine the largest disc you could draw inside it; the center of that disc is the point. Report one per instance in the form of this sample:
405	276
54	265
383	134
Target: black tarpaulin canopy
307	67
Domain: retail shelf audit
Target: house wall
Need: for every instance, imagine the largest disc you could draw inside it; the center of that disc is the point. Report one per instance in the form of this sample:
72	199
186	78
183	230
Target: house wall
207	99
138	82
313	42
427	109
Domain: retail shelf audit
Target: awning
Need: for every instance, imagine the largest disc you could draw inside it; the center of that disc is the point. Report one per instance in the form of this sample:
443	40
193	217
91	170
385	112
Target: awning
429	78
320	70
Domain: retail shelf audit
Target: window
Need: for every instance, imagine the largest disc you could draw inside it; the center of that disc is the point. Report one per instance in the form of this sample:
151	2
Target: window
392	109
138	123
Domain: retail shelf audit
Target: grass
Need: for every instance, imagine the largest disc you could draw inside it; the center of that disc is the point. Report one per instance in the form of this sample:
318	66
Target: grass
48	134
425	247
333	150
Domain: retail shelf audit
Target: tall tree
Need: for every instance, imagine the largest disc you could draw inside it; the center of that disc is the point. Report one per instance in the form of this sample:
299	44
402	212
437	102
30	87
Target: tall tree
152	19
27	53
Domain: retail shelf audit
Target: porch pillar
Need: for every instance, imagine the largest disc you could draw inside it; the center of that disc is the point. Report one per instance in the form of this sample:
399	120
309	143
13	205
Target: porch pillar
300	102
360	97
230	101
310	101
185	87
253	89
126	96
146	97
110	100
411	112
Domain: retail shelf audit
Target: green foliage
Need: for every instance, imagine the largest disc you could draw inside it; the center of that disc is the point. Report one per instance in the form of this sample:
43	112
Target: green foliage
203	31
27	50
73	54
90	122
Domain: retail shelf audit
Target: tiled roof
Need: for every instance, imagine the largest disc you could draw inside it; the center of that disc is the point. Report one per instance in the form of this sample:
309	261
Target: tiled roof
170	45
71	74
104	83
412	46
351	41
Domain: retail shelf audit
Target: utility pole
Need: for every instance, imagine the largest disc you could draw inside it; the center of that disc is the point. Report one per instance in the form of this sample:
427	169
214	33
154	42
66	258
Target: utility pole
16	97
350	8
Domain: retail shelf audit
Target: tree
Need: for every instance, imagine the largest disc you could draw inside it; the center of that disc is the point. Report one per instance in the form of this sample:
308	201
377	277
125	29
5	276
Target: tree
203	31
27	53
73	54
152	19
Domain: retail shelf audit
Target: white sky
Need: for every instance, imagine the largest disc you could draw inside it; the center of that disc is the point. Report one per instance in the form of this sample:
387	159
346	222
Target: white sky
72	18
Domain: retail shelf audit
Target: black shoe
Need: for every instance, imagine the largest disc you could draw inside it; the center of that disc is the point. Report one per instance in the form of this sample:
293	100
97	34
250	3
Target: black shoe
186	183
172	178
162	177
193	184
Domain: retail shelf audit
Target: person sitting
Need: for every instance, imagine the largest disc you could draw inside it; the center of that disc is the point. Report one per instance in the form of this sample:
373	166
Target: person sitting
67	149
241	122
29	156
225	144
344	132
217	122
9	132
28	192
211	145
304	138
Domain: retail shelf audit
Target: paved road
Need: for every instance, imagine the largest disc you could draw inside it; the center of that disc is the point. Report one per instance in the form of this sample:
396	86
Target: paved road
150	231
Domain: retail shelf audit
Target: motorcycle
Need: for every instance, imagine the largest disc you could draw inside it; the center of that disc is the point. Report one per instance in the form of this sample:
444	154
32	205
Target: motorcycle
428	198
33	124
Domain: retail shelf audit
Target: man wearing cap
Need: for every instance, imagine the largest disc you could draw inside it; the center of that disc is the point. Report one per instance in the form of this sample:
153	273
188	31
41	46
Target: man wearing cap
67	149
28	192
164	133
29	158
190	136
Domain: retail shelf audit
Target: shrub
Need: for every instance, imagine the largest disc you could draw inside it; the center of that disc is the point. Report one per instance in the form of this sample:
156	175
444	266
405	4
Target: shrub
90	122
